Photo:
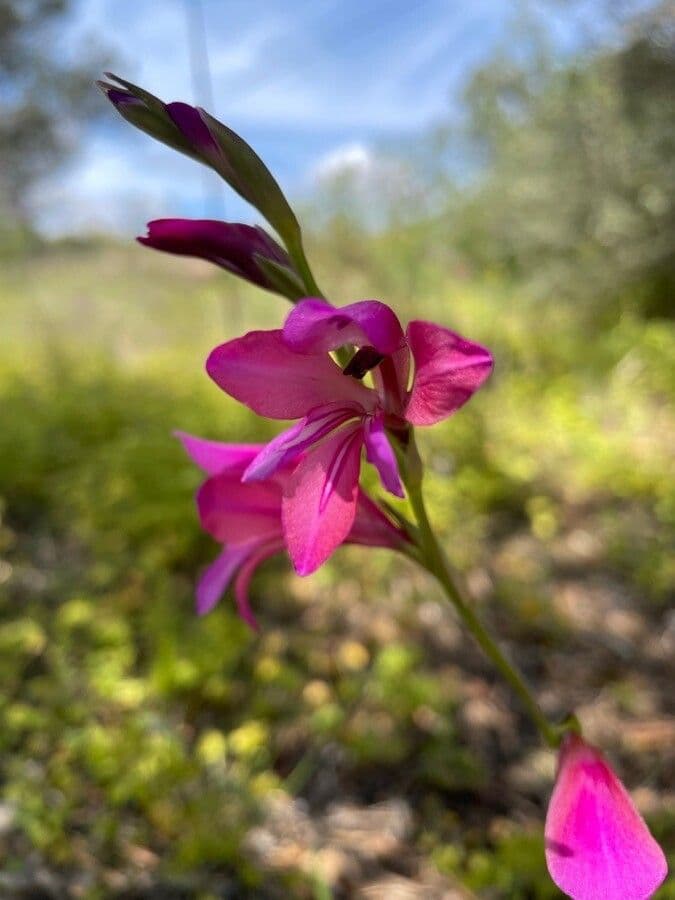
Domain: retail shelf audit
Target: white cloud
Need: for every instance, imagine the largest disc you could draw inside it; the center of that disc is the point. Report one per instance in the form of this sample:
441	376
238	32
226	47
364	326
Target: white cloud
353	158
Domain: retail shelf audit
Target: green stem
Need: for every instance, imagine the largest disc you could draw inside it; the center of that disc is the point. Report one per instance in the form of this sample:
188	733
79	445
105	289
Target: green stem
297	251
435	562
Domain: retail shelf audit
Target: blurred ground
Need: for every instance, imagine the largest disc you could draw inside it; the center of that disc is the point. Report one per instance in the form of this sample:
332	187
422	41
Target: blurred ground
360	746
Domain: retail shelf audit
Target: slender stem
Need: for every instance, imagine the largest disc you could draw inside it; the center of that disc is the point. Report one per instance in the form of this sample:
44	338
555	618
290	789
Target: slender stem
297	251
435	562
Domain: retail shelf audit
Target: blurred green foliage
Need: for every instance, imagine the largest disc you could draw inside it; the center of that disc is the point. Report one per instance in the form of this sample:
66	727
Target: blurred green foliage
565	181
578	200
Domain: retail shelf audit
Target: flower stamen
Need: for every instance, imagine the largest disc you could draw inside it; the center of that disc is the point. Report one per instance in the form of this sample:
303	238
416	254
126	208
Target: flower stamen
364	360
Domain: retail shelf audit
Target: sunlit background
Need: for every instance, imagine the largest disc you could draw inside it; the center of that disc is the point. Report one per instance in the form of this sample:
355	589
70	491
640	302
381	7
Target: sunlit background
506	169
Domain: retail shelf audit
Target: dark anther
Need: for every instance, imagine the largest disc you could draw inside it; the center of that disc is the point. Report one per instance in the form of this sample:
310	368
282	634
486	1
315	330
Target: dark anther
363	361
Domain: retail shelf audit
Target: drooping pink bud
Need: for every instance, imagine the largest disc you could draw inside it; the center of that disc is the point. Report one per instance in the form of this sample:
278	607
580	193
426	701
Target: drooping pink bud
597	844
245	251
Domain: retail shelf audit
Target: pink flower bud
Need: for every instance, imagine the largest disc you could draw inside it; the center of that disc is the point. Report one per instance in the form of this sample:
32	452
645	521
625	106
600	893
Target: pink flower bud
597	844
243	250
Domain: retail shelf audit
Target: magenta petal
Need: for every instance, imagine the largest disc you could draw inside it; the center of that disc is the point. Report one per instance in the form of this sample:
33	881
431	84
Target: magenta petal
448	370
119	97
235	512
273	456
215	458
233	246
391	380
260	371
597	844
216	577
314	326
319	502
288	445
372	527
244	576
379	452
190	123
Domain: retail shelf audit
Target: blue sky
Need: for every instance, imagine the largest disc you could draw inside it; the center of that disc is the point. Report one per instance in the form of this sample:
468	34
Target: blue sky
307	82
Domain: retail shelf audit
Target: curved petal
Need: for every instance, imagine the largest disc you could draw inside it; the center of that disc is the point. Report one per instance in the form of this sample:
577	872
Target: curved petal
379	452
215	578
262	372
244	576
215	458
231	511
597	844
119	97
448	370
231	245
314	326
319	501
373	528
288	445
391	380
190	122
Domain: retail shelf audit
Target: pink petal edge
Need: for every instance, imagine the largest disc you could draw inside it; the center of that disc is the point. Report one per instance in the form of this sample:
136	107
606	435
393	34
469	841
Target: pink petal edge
216	577
448	371
260	371
244	576
380	453
214	457
315	326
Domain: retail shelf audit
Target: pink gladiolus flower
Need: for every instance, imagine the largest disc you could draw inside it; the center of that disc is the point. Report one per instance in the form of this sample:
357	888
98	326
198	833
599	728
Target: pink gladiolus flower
246	519
597	844
288	374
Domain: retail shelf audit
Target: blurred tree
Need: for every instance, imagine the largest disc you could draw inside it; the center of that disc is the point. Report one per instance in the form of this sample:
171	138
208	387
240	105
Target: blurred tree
45	97
579	192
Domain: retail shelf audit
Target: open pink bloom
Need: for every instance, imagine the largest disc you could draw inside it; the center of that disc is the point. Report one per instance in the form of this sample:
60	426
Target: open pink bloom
246	519
597	844
288	374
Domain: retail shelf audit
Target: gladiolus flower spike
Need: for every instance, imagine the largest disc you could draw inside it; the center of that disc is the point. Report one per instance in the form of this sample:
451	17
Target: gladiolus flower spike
301	491
288	374
597	844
